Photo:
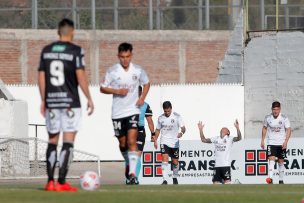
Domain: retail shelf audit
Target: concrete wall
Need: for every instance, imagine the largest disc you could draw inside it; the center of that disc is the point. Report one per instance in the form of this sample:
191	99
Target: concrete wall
168	56
274	70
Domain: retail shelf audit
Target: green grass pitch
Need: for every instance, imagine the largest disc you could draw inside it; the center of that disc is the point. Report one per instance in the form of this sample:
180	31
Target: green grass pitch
169	193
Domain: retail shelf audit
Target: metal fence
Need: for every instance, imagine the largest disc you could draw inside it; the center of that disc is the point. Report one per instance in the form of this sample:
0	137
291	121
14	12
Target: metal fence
121	14
152	14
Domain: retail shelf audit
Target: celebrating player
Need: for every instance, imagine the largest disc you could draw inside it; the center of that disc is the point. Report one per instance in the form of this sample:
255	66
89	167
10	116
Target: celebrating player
122	80
277	128
168	126
61	70
223	144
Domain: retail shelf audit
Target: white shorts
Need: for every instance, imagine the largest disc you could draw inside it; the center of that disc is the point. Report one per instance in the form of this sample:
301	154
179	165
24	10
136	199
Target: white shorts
65	120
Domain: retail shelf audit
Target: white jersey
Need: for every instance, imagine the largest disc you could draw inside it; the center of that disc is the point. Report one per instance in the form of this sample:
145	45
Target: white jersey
276	129
117	78
222	150
169	129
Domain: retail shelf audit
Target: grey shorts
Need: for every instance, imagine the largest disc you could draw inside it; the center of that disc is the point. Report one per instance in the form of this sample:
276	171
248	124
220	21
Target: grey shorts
63	120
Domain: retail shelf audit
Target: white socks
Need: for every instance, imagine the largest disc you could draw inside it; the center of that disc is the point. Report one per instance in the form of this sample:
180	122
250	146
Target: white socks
281	171
165	170
133	158
271	168
175	170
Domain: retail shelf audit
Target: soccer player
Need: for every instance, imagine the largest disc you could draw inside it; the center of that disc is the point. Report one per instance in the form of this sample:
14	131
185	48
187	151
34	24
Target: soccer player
122	80
223	144
168	125
277	128
61	70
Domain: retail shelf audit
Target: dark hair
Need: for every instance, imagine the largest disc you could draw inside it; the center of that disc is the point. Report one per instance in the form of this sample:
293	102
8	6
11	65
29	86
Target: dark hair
65	23
123	47
276	104
167	105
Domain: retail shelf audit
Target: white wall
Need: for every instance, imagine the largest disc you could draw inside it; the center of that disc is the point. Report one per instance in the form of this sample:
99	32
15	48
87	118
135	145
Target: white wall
215	105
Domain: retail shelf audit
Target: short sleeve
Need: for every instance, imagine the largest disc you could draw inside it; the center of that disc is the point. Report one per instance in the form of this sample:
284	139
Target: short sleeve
107	80
181	122
213	139
158	126
143	78
287	123
265	123
80	62
148	111
42	63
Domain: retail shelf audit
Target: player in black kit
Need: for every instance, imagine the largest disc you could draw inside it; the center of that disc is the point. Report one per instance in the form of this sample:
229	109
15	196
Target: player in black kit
61	70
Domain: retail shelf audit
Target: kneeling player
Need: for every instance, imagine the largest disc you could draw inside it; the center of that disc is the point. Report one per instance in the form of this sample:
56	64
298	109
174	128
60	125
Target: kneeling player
223	144
168	126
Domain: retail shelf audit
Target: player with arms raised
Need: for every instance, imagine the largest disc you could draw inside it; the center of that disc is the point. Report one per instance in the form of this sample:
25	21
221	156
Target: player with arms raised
278	131
223	144
61	70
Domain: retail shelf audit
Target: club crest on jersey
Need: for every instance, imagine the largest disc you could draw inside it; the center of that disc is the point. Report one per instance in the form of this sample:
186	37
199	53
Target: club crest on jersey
134	77
280	122
172	120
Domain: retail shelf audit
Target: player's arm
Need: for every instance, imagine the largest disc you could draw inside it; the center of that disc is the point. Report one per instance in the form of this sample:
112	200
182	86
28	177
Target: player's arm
264	131
41	84
157	132
288	133
83	83
239	134
151	126
201	126
109	90
143	95
182	132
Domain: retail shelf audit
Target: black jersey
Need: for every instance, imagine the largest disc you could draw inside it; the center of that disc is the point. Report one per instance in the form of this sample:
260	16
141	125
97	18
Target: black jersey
59	61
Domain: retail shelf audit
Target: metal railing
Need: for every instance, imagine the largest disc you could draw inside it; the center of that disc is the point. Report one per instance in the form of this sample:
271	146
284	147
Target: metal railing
118	14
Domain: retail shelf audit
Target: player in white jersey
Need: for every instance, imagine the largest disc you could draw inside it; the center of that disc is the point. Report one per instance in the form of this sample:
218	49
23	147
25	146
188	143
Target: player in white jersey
223	144
277	128
168	125
122	80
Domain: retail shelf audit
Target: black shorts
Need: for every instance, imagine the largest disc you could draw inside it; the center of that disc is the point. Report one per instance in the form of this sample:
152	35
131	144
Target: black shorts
172	152
277	151
221	174
123	125
141	138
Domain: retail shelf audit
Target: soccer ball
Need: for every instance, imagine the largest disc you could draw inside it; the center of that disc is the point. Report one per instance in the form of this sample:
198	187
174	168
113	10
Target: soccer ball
89	180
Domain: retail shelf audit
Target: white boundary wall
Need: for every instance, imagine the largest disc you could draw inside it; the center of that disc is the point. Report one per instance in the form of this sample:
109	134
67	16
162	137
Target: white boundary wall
215	105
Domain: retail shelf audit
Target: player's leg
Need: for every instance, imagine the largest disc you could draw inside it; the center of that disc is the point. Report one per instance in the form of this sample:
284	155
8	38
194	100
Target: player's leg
132	147
70	120
271	158
175	164
165	163
53	127
120	133
140	146
217	179
124	152
281	167
227	175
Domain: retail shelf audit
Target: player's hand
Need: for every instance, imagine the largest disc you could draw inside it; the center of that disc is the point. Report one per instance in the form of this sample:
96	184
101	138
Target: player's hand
140	101
42	109
155	144
236	124
90	107
123	91
284	145
179	135
262	145
200	125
